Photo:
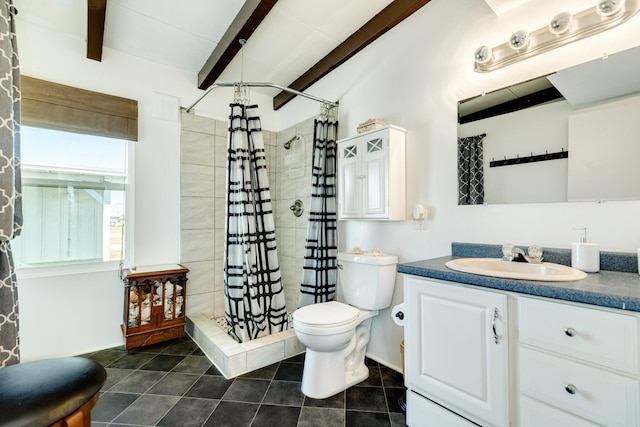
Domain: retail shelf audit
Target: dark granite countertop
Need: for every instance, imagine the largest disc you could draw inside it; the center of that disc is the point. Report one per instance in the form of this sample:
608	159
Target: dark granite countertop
614	289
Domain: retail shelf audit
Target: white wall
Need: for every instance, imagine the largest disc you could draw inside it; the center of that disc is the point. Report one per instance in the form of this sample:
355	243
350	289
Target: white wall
413	77
69	314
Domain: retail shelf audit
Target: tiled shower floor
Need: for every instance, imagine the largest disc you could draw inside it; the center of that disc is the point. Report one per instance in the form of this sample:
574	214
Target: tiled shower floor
174	384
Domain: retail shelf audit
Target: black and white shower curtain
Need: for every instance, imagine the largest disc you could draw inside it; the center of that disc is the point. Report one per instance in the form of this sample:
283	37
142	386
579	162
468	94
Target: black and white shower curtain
470	170
319	276
10	183
254	304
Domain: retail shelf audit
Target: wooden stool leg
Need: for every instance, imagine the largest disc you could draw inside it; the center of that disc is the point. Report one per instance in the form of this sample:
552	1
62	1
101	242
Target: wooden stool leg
75	420
81	417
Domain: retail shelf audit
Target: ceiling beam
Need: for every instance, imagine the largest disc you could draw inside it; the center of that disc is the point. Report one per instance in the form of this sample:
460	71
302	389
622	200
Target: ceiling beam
96	11
396	12
248	19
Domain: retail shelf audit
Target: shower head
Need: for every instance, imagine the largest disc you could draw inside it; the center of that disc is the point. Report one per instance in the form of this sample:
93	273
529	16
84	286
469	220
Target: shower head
287	145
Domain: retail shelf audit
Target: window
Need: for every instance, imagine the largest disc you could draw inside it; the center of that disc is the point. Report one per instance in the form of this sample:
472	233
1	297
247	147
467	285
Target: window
73	198
76	147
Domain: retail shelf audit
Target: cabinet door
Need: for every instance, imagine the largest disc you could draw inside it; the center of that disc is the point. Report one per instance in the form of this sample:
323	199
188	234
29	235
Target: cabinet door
375	164
349	179
456	347
371	175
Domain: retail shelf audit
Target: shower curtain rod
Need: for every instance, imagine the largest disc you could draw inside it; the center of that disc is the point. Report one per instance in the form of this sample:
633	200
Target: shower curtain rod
273	85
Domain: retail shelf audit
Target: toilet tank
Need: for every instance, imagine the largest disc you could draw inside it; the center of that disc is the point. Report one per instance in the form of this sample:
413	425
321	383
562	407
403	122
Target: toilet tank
367	279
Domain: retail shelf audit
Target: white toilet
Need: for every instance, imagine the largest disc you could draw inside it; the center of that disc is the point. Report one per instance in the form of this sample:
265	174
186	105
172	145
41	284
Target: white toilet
336	334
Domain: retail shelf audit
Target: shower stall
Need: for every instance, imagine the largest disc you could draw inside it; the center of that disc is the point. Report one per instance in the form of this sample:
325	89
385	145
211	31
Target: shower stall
203	182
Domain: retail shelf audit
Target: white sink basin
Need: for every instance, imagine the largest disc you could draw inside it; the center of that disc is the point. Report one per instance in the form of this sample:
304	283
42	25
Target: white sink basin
496	267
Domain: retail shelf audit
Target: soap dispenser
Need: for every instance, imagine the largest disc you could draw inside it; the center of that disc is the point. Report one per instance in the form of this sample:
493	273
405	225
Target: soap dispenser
585	255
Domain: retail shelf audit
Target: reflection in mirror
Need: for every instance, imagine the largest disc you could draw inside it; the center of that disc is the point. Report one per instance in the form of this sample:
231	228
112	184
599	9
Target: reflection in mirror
470	170
569	136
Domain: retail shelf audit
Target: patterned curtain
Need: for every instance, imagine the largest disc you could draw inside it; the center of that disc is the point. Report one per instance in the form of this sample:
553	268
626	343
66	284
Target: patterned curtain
10	183
254	304
319	274
470	170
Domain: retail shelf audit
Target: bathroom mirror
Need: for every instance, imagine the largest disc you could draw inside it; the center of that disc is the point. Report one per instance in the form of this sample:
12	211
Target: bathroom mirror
568	136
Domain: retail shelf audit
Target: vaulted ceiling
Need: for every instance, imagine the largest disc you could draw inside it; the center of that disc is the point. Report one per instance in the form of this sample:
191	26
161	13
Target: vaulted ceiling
289	42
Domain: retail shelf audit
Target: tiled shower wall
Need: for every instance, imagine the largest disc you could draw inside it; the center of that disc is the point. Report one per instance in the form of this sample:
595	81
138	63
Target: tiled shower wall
293	181
202	183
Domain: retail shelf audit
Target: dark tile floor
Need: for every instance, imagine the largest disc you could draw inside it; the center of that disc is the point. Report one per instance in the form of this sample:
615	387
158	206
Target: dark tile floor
174	384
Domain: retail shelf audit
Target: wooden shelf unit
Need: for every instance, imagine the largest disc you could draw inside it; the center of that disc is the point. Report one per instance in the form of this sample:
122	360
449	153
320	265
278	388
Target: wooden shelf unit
155	300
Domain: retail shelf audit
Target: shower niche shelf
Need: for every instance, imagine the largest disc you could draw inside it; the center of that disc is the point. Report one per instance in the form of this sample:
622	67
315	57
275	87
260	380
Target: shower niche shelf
154	304
371	175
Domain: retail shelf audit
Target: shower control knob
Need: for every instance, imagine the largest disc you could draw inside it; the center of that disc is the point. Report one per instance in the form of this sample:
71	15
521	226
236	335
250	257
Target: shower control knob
297	208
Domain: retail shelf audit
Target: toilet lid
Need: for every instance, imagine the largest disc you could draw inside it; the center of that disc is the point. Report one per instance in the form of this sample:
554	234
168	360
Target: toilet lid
327	313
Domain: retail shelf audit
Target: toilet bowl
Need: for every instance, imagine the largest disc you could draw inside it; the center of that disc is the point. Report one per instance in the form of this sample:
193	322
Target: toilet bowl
333	321
335	343
336	333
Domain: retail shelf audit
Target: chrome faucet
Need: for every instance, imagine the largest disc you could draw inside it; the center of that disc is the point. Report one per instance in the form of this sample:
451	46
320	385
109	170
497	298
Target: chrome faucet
518	255
512	253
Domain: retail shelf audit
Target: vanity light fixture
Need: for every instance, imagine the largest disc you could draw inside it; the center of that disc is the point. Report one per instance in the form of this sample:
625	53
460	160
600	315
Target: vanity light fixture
561	23
563	28
609	7
519	40
483	54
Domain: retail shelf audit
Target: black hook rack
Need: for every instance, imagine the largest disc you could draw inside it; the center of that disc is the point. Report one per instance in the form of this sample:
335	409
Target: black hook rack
530	159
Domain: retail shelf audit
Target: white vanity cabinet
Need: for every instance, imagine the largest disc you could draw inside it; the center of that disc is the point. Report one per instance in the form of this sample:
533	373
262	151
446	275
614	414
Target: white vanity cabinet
456	355
577	366
371	175
475	356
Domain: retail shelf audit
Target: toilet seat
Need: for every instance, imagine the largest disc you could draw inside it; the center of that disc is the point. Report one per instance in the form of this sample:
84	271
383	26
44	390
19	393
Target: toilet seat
325	318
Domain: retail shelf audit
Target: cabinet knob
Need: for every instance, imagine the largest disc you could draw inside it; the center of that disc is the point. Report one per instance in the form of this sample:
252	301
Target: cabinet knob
570	332
570	388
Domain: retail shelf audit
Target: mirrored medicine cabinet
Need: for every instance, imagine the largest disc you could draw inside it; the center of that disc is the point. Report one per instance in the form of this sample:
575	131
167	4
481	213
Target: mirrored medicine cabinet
573	135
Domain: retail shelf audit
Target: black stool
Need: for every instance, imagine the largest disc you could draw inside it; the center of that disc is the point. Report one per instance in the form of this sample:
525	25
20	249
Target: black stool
51	392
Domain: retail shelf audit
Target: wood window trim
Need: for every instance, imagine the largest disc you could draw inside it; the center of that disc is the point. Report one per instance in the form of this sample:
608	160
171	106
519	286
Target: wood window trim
54	106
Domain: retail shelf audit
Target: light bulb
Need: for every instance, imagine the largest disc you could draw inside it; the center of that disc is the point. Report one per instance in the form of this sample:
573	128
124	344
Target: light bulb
519	40
561	23
609	7
483	54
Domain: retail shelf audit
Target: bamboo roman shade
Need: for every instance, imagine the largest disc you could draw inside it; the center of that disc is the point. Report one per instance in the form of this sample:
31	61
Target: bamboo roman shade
59	107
